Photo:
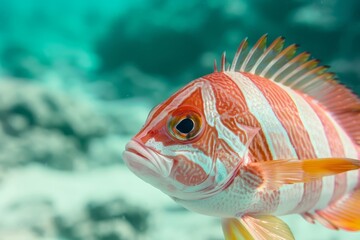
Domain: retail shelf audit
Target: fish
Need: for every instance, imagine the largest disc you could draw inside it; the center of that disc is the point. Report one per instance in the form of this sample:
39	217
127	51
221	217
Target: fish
270	134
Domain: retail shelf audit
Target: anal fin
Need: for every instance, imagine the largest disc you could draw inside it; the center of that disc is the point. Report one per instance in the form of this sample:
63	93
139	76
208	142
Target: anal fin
256	228
345	213
313	217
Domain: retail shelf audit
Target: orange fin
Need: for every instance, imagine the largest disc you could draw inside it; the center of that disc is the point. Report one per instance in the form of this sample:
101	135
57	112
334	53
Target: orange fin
256	228
278	172
308	217
345	213
312	217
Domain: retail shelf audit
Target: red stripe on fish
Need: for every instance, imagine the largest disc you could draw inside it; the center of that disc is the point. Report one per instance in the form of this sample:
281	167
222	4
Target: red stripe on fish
232	102
287	113
336	147
297	132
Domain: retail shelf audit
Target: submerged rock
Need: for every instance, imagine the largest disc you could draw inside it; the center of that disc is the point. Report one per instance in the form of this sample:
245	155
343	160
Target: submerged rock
38	219
45	126
110	220
118	208
63	131
29	219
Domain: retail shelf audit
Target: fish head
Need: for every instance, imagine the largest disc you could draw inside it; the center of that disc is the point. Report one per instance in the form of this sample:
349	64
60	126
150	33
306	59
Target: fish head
181	149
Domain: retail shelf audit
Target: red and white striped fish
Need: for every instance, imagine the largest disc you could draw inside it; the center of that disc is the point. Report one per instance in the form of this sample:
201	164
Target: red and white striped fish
271	134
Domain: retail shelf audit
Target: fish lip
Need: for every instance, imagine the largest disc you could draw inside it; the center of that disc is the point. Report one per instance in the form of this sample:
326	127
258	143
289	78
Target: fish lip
138	152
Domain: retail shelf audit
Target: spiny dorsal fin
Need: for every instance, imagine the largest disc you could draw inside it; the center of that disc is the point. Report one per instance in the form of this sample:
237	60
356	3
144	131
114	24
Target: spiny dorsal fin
243	45
302	74
215	66
223	62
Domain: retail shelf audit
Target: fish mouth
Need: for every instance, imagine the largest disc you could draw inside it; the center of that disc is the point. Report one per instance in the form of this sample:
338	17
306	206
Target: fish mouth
137	156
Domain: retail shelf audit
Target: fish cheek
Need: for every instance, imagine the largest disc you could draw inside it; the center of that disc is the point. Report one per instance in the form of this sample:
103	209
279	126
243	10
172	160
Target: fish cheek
187	172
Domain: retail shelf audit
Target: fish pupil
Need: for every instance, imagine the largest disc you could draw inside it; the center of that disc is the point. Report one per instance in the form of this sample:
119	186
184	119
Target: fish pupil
185	126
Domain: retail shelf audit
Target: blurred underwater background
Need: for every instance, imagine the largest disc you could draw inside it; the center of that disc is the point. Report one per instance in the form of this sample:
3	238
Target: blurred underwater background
78	78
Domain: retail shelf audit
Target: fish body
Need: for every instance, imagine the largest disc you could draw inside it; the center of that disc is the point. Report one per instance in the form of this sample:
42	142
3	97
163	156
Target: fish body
272	134
290	126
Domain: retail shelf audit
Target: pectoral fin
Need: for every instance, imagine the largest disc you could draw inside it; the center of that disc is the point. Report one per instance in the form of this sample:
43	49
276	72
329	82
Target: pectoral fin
279	172
256	228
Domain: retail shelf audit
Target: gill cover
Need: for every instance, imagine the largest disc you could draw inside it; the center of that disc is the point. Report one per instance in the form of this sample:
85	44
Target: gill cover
216	176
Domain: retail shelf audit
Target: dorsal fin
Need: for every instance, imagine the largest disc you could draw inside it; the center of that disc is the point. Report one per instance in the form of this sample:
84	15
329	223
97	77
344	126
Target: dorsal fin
303	74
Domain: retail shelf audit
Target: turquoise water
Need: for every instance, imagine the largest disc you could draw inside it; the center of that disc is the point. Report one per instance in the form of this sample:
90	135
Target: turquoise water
77	79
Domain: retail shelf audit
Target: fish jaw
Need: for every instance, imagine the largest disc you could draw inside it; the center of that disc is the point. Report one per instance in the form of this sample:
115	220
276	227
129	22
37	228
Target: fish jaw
143	160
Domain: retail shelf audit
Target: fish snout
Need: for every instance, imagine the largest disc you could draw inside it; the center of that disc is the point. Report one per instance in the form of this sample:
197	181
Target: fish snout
138	156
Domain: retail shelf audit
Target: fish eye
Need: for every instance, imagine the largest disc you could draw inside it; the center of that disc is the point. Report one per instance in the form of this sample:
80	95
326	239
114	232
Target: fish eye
185	125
